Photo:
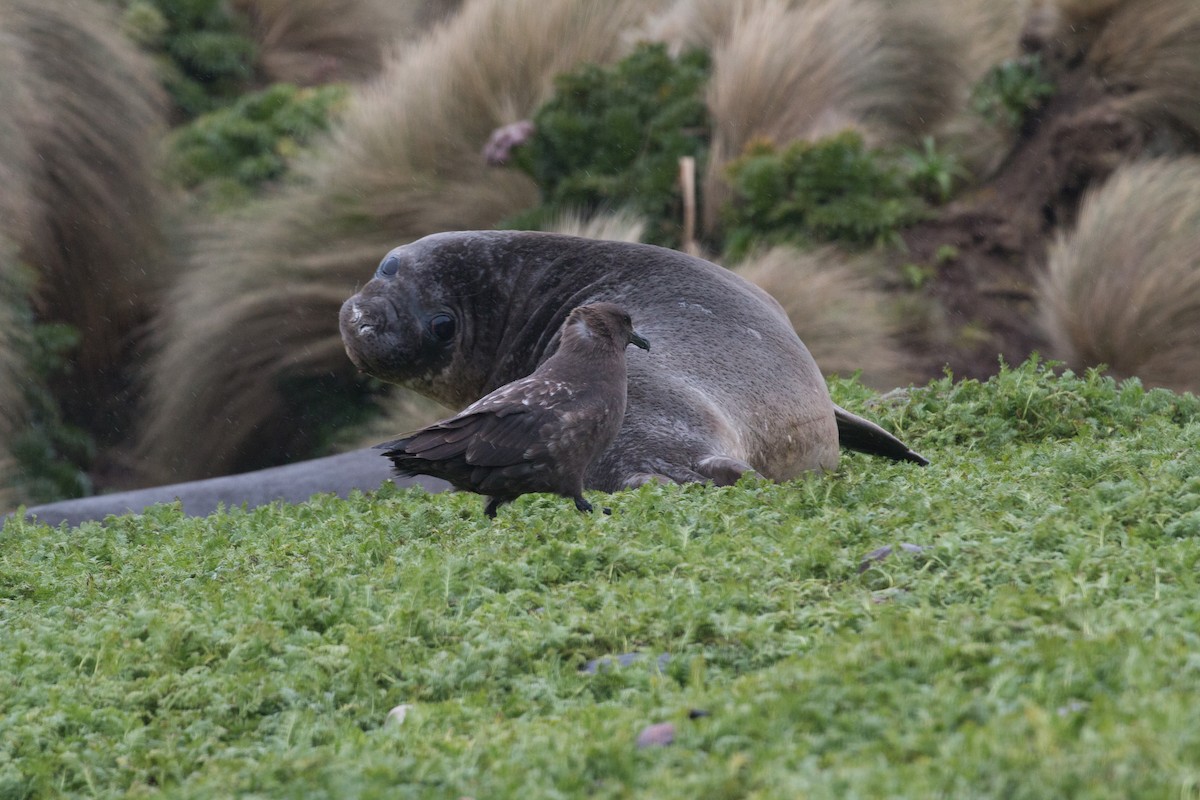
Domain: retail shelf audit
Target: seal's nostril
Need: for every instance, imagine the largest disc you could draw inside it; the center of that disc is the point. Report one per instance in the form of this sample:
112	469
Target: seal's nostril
355	314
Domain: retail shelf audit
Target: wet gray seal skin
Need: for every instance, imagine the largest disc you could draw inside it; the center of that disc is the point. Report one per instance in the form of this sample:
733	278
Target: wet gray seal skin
728	387
292	483
539	433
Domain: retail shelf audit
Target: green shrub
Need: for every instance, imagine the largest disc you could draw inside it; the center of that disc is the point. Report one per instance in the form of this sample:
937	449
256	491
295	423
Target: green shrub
1011	90
834	189
612	137
51	455
934	174
230	152
205	53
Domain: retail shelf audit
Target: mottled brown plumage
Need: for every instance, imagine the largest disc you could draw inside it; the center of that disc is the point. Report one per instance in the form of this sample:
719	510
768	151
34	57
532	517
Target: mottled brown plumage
539	433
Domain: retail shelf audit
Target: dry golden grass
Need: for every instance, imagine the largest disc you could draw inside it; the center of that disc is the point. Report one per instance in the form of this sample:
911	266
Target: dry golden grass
94	124
802	71
16	151
317	41
1123	288
698	23
262	297
968	37
836	309
1143	52
986	33
618	226
400	412
1149	50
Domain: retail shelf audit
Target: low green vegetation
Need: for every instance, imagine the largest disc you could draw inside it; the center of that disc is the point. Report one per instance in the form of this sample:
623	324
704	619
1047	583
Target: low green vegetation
51	454
834	189
612	137
1011	91
1034	632
229	154
933	173
204	51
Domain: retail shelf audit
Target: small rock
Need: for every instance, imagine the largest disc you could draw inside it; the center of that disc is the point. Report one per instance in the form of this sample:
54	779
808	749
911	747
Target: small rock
895	397
397	715
875	556
623	660
1073	707
659	735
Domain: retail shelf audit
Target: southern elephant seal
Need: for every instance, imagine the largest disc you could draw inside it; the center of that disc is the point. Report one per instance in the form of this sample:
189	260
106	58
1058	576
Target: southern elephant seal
727	388
539	433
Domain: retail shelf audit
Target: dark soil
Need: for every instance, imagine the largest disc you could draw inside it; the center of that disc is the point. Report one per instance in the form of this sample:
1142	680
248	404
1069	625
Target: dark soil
982	298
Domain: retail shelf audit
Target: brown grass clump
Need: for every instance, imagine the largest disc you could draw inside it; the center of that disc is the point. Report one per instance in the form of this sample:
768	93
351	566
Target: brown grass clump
616	226
986	33
309	42
1149	52
698	23
400	412
789	72
16	151
1123	288
1142	52
93	120
837	311
260	303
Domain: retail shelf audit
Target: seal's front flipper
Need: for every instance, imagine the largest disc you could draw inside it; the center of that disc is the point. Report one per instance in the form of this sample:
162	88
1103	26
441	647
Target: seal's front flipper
723	470
659	471
856	433
719	470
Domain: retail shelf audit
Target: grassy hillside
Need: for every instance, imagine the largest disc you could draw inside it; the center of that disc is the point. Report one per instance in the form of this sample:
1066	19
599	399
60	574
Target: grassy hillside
1035	632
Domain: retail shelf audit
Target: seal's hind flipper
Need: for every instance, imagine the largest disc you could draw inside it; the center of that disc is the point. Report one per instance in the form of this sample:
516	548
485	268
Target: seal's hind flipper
856	433
723	470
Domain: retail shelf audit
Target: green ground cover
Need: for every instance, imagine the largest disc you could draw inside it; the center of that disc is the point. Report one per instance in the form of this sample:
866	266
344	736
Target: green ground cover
1039	636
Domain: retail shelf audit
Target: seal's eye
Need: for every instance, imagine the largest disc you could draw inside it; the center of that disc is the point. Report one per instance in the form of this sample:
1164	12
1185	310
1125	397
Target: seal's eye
442	327
389	267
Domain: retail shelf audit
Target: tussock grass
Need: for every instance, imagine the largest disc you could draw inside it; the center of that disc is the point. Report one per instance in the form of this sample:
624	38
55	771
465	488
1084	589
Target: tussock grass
1147	48
621	225
1141	51
1123	288
839	313
318	41
1042	643
90	112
